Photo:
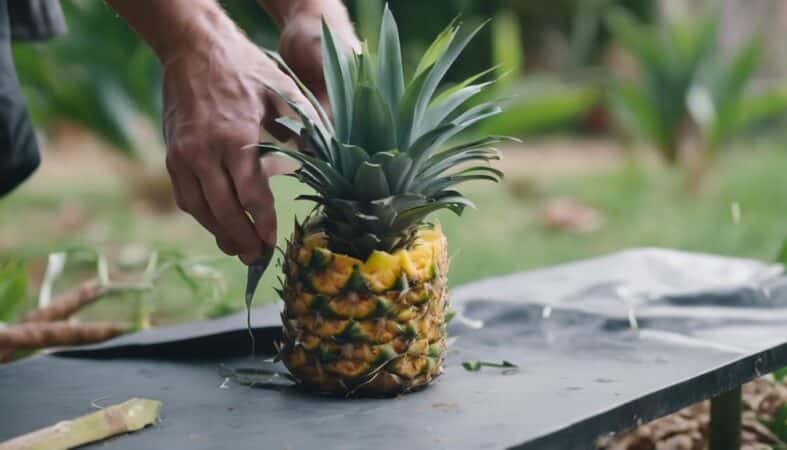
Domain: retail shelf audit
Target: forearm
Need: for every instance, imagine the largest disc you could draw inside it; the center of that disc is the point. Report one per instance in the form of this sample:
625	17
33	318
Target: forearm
169	26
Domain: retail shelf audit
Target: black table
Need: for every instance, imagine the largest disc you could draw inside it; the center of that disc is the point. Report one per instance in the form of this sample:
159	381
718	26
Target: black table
602	345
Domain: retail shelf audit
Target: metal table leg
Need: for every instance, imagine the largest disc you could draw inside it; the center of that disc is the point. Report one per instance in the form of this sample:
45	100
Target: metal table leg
725	421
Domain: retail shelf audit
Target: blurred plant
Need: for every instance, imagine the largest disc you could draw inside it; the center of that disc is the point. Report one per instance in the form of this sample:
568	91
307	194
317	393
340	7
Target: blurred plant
669	59
687	93
367	19
13	289
782	258
135	274
586	26
778	426
146	274
100	75
539	23
579	23
539	104
536	104
508	53
111	84
248	15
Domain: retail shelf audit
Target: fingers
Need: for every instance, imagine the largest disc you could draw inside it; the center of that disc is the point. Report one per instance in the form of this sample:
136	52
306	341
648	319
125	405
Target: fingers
208	126
224	199
278	165
300	42
275	107
206	191
189	198
250	181
223	202
300	48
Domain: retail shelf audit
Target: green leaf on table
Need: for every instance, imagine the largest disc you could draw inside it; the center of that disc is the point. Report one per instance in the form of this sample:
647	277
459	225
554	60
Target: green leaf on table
472	366
476	365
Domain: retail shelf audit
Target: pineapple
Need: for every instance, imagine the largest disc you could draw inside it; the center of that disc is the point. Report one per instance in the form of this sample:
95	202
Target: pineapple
364	285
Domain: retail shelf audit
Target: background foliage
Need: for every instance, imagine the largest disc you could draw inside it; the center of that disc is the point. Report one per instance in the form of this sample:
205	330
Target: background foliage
117	82
578	72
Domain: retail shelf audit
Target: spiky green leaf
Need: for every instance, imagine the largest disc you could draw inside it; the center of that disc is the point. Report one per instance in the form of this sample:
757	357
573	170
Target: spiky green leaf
339	83
437	72
373	123
350	157
325	120
390	76
442	110
370	182
438	47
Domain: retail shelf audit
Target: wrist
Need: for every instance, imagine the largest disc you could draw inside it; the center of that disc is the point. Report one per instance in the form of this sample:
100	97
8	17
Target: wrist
169	26
179	26
201	29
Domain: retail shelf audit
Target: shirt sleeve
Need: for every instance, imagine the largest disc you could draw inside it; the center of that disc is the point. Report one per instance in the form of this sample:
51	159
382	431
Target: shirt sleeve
19	156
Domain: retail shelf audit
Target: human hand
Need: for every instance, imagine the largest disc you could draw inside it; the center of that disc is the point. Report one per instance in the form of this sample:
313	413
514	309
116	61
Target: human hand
300	22
216	94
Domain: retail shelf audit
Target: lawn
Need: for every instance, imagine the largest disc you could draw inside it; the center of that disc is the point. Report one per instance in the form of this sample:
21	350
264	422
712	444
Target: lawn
642	204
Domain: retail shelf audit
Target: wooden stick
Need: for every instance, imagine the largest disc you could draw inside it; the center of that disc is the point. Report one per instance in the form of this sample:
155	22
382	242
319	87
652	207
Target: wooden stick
126	417
36	335
67	303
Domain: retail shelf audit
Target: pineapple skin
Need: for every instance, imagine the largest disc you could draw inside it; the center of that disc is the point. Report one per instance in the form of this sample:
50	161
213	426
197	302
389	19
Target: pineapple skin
369	328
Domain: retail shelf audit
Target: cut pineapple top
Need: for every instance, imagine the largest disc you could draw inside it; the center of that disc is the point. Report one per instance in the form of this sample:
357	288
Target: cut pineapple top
382	271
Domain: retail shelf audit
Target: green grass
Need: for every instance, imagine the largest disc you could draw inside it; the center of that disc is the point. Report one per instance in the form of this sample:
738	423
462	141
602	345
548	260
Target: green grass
643	206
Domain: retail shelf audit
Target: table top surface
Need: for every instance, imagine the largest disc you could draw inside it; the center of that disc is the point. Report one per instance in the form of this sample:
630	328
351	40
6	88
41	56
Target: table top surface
601	345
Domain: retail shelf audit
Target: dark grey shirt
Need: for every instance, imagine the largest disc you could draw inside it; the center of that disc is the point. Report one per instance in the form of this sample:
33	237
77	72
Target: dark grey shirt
20	20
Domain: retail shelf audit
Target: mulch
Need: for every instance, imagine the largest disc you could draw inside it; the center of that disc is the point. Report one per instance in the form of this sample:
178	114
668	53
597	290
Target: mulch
687	429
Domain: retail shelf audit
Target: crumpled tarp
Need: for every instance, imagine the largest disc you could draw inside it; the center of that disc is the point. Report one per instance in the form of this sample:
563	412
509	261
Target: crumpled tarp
601	345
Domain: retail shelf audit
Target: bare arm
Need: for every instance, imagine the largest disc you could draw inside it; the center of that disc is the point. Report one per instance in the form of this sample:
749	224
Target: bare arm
215	98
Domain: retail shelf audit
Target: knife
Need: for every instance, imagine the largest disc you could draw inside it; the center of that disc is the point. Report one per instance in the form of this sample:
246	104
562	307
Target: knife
253	276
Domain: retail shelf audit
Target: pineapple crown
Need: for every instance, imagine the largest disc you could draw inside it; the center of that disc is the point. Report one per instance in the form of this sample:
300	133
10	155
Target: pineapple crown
381	164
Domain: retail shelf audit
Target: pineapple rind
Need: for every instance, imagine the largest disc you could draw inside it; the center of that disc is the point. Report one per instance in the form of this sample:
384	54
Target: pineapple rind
381	337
